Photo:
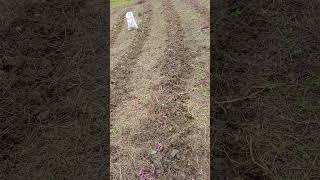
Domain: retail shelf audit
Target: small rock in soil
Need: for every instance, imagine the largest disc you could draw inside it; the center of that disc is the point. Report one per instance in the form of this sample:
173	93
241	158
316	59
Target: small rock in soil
153	152
35	96
174	153
18	29
43	115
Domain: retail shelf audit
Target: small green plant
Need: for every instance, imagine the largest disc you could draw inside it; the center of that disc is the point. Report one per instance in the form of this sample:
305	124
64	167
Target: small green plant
311	101
140	23
120	3
236	13
113	131
307	95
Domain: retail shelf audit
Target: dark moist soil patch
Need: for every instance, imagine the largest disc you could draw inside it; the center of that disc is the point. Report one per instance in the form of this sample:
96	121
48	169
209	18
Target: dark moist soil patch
266	89
53	71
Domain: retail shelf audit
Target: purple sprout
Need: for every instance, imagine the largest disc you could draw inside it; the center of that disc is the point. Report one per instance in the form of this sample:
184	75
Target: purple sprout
158	147
163	120
142	176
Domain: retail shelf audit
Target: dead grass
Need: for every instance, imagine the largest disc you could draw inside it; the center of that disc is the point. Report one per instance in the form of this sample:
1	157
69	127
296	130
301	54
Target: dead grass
267	52
53	82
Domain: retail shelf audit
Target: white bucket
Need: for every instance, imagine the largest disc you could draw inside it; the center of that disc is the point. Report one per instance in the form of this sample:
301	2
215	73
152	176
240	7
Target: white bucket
131	21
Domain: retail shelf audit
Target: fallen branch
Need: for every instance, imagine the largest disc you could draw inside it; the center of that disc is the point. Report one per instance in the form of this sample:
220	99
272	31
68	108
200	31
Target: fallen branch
253	95
267	170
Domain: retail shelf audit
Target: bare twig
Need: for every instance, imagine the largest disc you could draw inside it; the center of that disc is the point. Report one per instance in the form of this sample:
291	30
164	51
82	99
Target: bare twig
257	163
251	96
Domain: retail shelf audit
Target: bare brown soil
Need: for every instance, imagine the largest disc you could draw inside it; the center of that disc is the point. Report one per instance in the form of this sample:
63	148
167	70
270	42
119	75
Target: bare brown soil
266	89
203	10
52	90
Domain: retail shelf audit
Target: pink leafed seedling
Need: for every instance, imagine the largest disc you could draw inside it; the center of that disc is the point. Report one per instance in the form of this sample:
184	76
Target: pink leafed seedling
158	147
142	176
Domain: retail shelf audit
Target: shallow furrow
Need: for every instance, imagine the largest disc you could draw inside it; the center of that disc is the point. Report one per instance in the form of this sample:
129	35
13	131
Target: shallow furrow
116	29
120	74
169	117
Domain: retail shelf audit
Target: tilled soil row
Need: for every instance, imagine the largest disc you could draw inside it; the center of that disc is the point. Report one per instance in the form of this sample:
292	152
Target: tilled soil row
120	75
200	9
170	120
116	29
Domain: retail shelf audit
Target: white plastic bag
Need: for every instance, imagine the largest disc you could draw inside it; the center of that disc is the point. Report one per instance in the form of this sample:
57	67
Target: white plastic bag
131	21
